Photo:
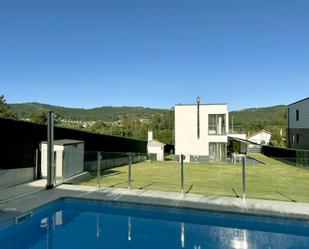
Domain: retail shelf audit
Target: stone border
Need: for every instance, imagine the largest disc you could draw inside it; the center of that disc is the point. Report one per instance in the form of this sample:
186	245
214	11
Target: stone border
280	209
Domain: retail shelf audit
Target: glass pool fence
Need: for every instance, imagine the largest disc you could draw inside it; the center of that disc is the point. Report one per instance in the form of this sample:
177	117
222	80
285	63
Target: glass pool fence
251	176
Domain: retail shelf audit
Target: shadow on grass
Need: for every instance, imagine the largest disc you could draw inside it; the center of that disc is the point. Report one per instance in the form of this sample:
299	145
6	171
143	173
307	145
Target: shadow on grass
189	189
235	192
147	185
286	196
116	184
111	173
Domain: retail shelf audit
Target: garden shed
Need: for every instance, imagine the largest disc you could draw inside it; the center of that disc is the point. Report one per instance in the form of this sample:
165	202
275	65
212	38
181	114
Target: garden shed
68	158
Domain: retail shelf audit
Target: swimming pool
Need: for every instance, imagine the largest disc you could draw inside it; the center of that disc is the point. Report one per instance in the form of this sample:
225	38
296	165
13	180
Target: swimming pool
78	223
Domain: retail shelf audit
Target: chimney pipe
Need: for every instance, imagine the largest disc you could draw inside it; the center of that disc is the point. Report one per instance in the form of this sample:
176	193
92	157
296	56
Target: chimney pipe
198	116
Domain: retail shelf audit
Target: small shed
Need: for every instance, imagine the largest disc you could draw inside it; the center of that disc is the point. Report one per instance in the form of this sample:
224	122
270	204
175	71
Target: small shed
68	158
155	147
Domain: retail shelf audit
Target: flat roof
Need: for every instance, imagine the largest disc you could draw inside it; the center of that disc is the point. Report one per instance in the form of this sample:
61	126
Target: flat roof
299	101
242	140
154	143
200	104
65	142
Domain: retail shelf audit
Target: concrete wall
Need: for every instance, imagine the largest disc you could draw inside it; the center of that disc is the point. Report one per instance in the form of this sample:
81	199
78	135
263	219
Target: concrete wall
11	177
303	121
157	150
186	140
112	163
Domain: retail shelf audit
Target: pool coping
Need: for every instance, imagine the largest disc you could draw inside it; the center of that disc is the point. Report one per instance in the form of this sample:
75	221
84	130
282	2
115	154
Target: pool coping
15	207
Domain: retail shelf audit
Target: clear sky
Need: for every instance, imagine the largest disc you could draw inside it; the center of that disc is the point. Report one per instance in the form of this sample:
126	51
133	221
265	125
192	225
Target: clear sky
155	53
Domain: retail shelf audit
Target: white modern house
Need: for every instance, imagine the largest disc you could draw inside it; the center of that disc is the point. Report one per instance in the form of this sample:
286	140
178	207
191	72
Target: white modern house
298	125
68	158
262	137
155	147
201	131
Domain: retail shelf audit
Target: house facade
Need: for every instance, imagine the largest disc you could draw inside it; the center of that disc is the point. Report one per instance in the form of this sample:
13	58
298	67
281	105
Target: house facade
201	132
155	147
262	137
298	125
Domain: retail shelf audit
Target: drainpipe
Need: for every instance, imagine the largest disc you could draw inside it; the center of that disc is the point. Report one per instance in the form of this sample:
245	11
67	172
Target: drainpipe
50	150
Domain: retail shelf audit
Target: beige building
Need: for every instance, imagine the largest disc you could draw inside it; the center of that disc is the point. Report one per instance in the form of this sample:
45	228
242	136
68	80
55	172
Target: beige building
155	147
201	132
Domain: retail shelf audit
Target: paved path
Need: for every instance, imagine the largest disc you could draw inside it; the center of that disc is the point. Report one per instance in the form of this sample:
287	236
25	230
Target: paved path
9	193
26	201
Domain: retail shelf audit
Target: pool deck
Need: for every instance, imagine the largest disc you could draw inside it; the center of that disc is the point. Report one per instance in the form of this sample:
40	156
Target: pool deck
17	200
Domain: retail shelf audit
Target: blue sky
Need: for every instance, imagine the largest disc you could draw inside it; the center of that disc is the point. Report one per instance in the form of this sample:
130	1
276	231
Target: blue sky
155	53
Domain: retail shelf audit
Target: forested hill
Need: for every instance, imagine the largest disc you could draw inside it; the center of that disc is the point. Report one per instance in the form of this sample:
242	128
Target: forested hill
253	119
271	118
105	113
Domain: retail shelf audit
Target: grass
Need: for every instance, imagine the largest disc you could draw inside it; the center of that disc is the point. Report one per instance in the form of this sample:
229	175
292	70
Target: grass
273	180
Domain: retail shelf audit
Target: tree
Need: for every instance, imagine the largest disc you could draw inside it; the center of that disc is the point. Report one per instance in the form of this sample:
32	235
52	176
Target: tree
276	139
5	111
38	117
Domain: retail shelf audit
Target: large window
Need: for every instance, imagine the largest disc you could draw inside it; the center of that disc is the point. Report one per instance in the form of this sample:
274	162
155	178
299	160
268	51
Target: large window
217	152
216	124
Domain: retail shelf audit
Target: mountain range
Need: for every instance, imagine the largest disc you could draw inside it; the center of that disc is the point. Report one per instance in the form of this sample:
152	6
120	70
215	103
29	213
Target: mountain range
105	113
251	119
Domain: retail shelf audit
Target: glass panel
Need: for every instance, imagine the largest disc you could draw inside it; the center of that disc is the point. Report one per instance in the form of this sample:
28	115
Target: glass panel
216	124
217	152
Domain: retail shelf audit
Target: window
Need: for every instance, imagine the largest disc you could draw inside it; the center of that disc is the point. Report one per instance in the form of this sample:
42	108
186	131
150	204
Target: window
216	124
297	138
297	115
293	138
217	152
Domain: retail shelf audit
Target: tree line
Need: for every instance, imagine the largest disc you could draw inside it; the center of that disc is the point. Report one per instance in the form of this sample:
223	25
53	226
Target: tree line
136	124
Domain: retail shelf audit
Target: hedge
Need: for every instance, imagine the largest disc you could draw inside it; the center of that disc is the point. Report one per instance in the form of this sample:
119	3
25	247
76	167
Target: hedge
20	139
295	157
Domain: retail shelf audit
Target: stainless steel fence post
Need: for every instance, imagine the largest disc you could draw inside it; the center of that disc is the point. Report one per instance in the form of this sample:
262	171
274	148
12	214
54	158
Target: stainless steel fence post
98	169
50	150
181	172
36	174
244	177
129	172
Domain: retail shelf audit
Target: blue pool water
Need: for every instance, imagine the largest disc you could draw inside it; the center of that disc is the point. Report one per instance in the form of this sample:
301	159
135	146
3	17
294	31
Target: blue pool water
74	223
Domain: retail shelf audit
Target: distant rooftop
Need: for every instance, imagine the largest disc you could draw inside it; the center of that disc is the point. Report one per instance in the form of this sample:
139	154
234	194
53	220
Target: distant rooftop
154	143
65	142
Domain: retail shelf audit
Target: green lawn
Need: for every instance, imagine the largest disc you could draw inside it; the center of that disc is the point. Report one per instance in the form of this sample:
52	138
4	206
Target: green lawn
272	180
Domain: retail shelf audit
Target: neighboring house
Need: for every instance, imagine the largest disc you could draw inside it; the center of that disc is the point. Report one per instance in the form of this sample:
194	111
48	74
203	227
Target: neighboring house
201	132
155	147
262	137
298	125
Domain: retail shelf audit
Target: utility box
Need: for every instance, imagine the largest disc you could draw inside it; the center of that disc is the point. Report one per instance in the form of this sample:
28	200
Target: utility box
68	158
